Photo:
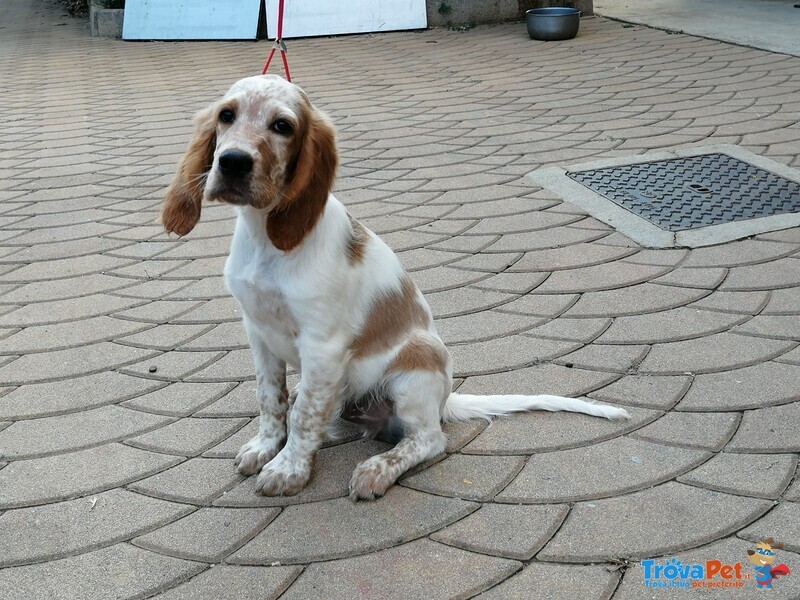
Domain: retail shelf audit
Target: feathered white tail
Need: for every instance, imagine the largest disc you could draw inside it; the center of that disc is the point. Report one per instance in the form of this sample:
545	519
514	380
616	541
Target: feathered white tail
462	407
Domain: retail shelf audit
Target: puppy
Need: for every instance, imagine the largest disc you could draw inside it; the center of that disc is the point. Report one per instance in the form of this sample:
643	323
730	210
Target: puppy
322	293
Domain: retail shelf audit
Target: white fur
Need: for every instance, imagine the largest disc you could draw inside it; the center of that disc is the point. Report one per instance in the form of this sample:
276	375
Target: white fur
462	407
329	300
304	308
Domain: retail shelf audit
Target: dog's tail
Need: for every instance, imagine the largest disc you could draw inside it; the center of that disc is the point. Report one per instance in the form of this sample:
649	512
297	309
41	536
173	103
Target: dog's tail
462	407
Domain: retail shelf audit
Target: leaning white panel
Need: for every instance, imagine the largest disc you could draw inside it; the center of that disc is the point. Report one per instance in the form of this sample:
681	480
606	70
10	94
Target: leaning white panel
330	17
191	20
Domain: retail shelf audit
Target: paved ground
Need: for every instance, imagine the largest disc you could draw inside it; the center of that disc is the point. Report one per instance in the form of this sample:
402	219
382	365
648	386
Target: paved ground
766	24
118	479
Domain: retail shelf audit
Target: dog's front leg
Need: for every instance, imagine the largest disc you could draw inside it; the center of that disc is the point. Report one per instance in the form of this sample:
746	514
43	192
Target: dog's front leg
273	405
318	395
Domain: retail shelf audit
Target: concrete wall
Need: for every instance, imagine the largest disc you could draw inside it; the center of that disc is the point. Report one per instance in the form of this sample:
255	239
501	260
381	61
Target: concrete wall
442	13
106	18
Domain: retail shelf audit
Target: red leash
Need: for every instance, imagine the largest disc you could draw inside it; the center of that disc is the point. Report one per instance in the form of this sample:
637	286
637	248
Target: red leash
279	45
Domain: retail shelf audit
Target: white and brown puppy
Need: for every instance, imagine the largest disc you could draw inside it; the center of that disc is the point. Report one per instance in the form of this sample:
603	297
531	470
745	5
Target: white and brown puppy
321	293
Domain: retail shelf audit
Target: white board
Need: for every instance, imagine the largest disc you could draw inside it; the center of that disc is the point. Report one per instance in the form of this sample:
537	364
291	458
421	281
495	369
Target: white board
329	17
191	20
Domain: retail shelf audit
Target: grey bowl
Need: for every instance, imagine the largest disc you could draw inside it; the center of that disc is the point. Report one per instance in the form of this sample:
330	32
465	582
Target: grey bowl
550	24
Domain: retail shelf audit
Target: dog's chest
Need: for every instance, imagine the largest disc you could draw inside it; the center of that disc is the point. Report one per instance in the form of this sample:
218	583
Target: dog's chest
264	303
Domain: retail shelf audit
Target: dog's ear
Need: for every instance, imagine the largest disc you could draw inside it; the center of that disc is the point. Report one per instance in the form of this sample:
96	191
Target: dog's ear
751	552
778	546
181	209
311	178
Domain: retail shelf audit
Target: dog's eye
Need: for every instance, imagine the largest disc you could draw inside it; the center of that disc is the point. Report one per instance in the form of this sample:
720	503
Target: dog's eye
227	116
282	126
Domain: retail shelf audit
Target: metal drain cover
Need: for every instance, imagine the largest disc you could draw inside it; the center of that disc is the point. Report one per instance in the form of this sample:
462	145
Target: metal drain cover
697	191
682	198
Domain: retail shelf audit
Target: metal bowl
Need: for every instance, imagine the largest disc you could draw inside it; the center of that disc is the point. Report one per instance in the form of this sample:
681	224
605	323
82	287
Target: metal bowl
550	24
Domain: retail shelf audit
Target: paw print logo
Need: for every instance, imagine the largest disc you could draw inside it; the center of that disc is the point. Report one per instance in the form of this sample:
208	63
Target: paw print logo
763	558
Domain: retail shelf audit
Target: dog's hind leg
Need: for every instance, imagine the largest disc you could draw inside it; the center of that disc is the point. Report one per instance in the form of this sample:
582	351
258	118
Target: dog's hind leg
416	396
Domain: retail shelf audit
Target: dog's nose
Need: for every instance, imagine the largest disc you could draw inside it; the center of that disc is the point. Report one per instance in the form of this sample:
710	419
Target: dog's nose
235	163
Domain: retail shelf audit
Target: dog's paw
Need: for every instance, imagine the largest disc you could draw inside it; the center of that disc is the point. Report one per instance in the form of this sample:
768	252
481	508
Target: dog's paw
283	477
371	479
256	453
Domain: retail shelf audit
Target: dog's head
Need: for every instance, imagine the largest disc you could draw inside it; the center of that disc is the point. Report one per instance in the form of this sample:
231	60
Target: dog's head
262	145
764	554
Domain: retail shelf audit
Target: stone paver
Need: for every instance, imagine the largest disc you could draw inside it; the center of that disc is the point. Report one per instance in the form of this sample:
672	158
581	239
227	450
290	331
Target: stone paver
414	570
483	325
635	300
708	431
188	437
772	326
182	399
51	311
764	384
63	364
668	326
120	571
764	476
605	357
61	476
718	352
264	583
556	379
127	385
743	252
685	517
470	477
172	366
576	330
783	302
786	518
698	278
606	469
741	303
404	515
510	531
649	391
775	429
561	582
42	533
86	428
208	534
197	481
68	335
513	351
782	273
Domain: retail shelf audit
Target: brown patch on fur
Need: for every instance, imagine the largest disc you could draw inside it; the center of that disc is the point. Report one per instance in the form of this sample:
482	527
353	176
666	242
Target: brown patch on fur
392	460
357	243
391	317
420	354
310	181
180	211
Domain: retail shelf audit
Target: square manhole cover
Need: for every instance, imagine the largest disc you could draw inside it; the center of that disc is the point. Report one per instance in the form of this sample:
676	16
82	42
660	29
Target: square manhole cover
682	198
697	191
